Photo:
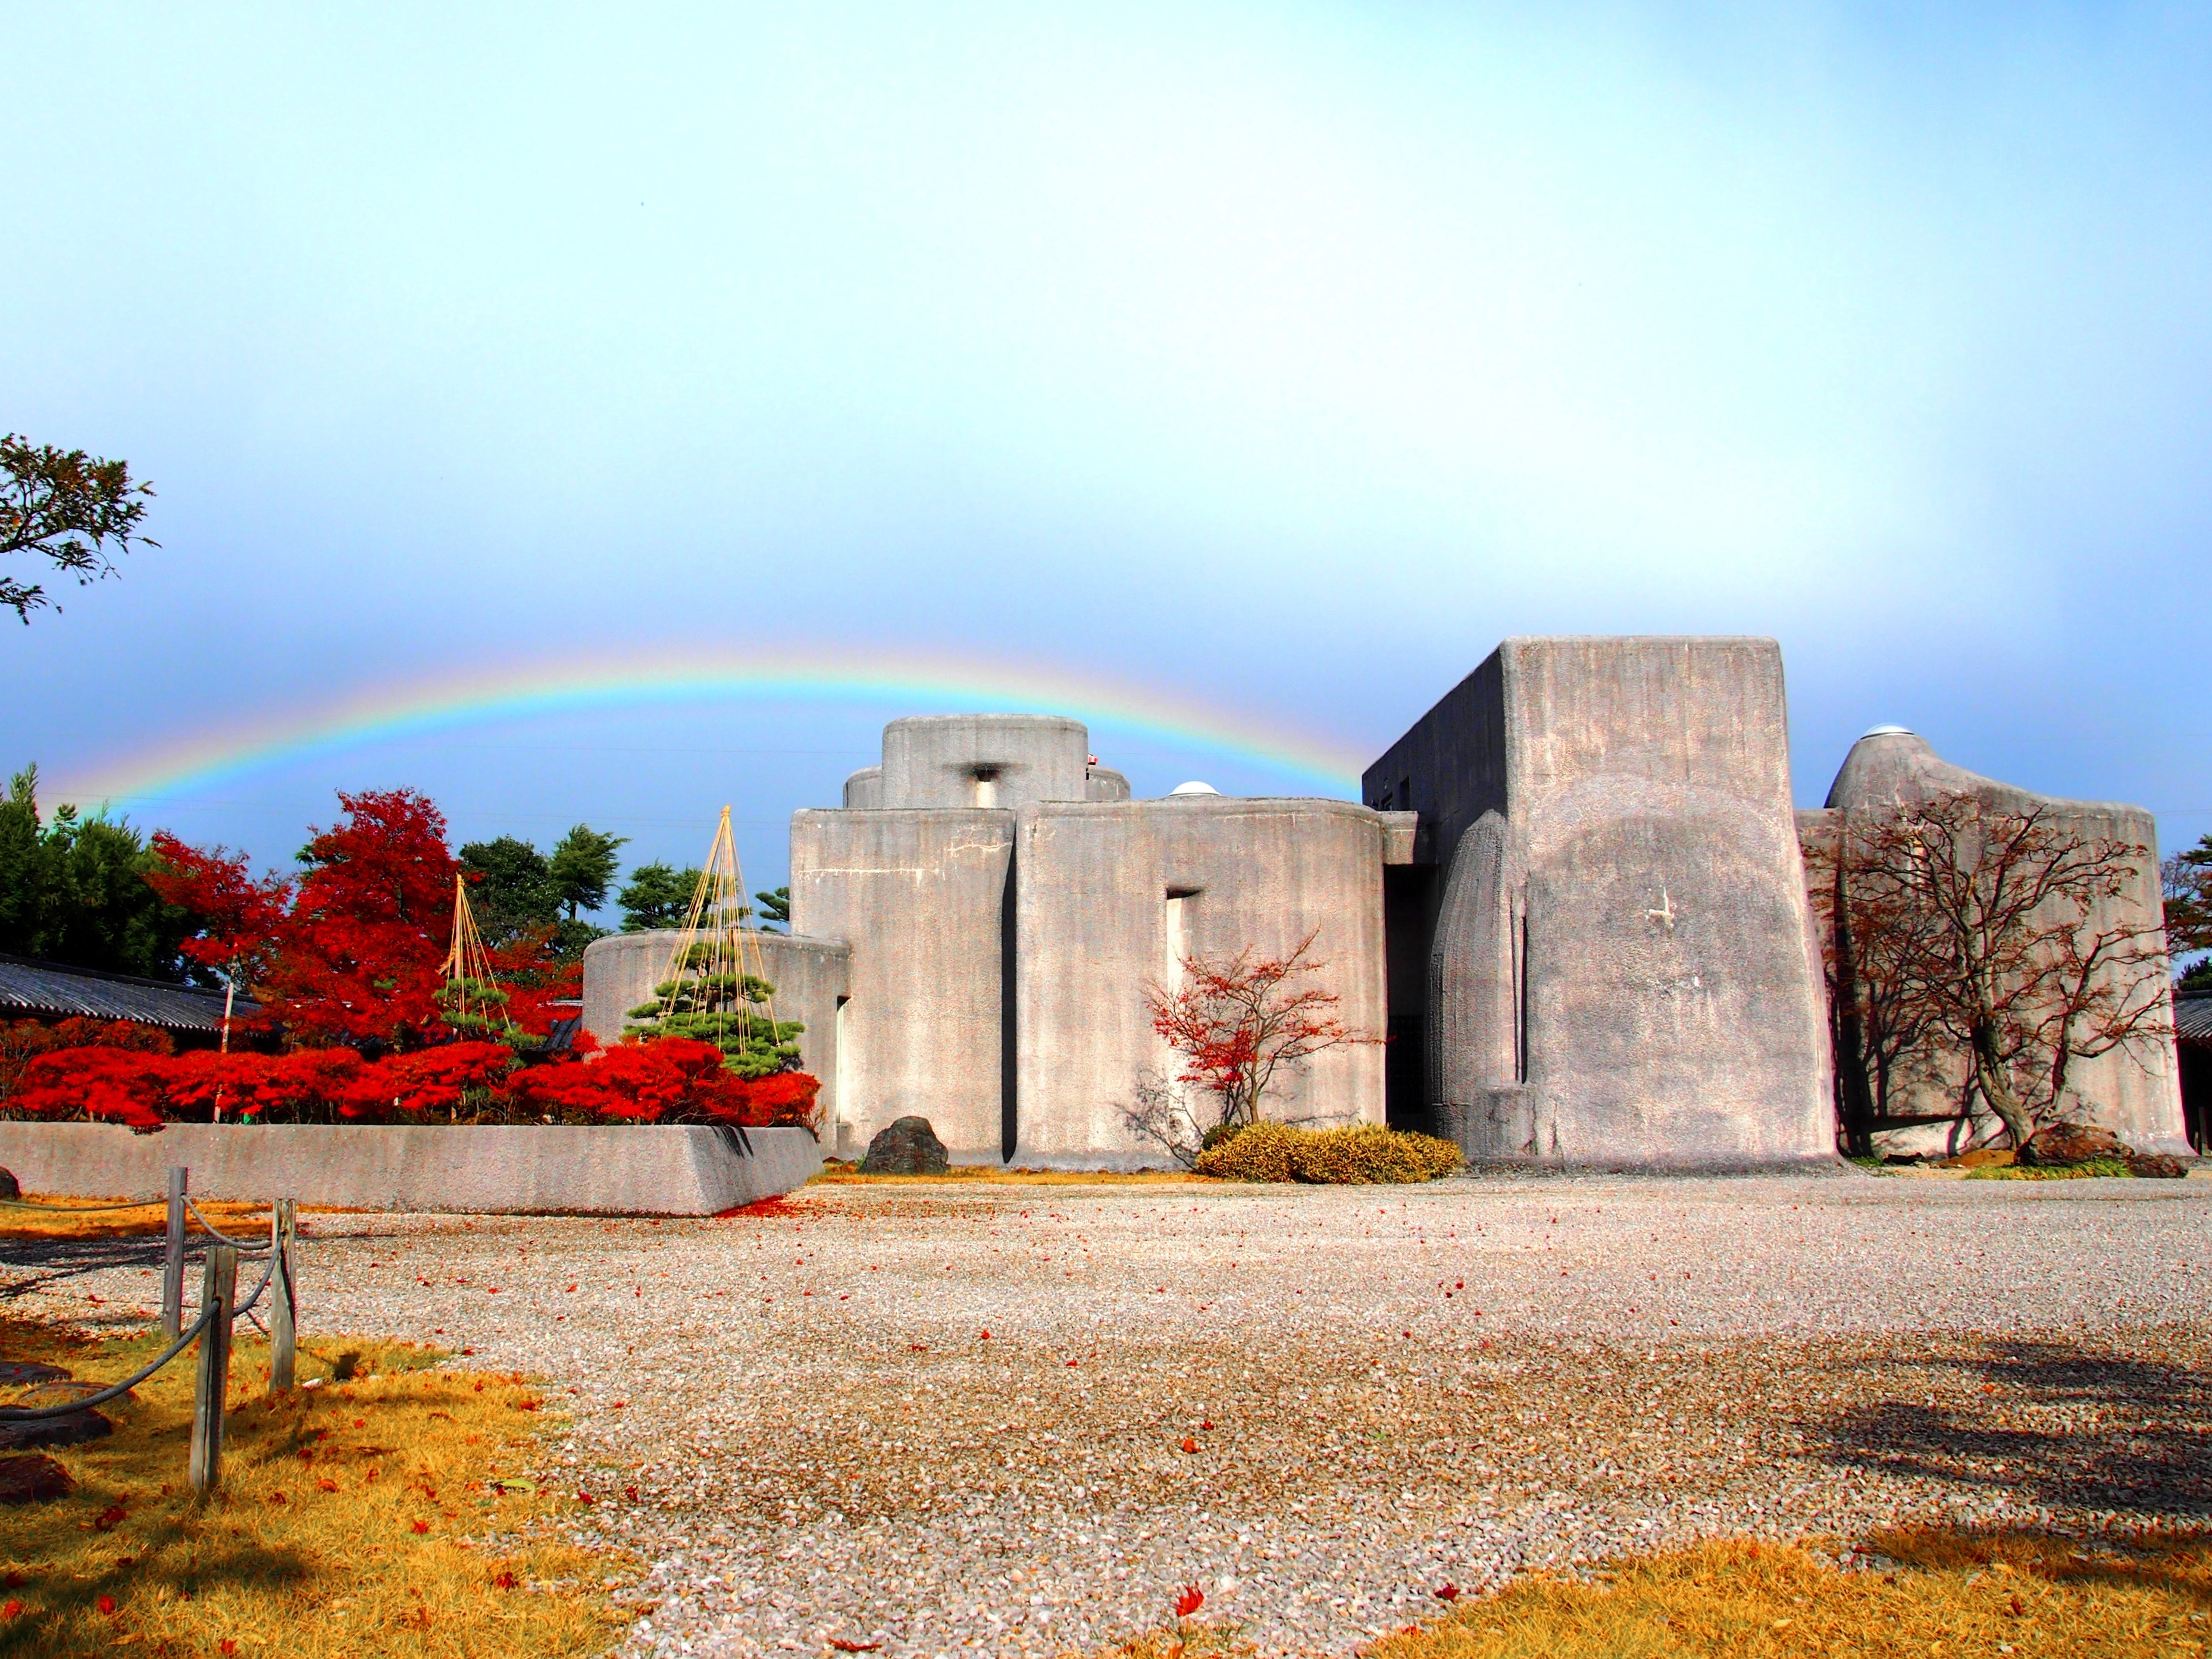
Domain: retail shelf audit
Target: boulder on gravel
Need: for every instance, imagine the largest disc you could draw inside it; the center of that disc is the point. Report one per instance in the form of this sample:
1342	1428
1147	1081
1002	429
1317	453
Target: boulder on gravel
15	1373
32	1479
72	1429
2072	1142
9	1187
2156	1166
908	1146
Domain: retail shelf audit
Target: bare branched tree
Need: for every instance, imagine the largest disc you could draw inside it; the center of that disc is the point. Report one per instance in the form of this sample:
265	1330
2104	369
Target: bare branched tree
1989	933
1887	1039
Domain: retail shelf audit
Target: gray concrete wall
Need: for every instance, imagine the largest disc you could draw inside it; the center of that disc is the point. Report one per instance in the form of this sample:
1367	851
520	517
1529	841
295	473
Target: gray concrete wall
1099	891
617	1169
811	977
1105	784
863	790
2137	1096
999	761
1618	965
920	897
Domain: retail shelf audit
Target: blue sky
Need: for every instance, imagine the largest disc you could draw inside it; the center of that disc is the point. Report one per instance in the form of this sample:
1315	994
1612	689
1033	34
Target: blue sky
1281	356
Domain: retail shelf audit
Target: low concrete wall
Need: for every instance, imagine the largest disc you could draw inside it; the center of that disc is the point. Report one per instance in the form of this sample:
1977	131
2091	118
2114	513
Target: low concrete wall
617	1170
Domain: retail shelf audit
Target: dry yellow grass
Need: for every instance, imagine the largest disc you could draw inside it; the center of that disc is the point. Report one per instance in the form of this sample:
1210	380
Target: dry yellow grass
1950	1595
93	1219
848	1175
343	1527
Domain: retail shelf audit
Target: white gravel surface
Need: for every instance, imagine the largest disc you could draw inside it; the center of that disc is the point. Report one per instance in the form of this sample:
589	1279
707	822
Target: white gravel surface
1318	1405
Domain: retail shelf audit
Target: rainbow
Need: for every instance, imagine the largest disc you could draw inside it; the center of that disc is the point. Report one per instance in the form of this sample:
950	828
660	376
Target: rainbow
933	684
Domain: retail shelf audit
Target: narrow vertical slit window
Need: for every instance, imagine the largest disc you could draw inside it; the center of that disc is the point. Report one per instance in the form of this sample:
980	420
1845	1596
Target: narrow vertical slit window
1521	1003
1177	919
840	1072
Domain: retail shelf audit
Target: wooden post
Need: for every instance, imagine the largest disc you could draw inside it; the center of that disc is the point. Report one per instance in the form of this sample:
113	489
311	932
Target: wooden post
218	1295
283	1231
172	1258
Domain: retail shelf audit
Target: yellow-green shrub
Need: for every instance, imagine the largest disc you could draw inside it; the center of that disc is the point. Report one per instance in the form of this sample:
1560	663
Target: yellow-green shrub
1366	1152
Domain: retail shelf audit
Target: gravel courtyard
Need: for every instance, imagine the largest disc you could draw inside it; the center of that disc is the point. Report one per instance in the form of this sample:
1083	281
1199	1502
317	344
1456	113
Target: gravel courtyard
1318	1404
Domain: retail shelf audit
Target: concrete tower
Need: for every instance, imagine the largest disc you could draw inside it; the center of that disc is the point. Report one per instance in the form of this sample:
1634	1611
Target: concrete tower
1609	962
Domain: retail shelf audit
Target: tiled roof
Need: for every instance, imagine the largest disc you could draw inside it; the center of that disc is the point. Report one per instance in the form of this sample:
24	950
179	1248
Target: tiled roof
2193	1018
50	987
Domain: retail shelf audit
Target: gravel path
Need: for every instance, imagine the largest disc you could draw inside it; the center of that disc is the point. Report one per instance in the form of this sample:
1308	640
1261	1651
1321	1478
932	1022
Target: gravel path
1318	1404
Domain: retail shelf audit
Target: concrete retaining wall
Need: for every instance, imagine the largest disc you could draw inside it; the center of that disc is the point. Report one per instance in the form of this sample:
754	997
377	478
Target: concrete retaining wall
620	1169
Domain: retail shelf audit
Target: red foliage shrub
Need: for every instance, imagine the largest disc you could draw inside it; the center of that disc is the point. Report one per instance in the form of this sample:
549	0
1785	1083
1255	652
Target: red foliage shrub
113	1085
671	1080
437	1079
668	1081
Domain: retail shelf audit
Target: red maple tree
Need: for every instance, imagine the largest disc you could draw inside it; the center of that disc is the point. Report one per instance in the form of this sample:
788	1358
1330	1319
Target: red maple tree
240	918
359	958
1238	1021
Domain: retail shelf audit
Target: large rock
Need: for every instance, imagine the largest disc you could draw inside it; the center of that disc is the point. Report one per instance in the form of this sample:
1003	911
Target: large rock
907	1146
2157	1166
72	1429
2073	1143
32	1479
18	1373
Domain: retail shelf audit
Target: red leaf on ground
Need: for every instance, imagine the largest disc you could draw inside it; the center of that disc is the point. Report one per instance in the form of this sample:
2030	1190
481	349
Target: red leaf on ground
843	1646
1447	1592
106	1604
503	1581
1189	1444
421	1526
109	1518
1189	1602
13	1610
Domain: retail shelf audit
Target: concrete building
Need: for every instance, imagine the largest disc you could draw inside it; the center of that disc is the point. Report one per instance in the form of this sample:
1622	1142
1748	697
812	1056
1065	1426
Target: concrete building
1573	899
1602	949
2134	1092
1007	905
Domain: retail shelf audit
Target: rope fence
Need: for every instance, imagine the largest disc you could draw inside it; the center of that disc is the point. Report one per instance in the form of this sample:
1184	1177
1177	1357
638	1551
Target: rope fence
220	1308
217	1233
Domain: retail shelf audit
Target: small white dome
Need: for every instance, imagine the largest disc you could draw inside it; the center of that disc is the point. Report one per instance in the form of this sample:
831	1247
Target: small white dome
1193	788
1887	731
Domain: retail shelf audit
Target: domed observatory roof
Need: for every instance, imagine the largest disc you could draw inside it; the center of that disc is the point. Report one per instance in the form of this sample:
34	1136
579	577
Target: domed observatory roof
1193	788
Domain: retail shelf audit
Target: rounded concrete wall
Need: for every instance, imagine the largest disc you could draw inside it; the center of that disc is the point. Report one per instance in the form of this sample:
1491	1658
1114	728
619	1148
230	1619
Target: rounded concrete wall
863	790
812	977
2135	1093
